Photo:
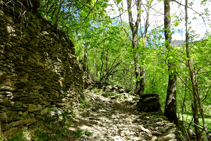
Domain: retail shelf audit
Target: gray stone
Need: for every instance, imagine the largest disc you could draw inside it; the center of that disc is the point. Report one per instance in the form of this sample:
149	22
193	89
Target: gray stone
33	107
167	137
68	111
144	129
163	129
45	111
5	102
121	90
11	132
5	115
20	112
116	138
18	104
168	125
173	130
160	123
138	139
156	128
2	75
149	103
1	13
51	113
150	99
24	121
154	138
25	114
7	88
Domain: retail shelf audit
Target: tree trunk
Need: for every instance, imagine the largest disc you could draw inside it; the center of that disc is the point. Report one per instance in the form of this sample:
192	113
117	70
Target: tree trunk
95	64
170	107
137	74
139	86
195	105
142	81
86	62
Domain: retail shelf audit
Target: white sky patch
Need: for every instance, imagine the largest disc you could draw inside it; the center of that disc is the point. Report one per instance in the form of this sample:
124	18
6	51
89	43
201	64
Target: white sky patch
156	18
178	36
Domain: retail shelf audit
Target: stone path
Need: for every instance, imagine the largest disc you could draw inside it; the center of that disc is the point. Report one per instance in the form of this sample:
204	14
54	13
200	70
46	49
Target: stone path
115	119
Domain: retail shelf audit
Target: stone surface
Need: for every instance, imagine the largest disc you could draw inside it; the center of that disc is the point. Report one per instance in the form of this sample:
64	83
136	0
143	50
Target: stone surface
149	103
2	75
38	67
167	137
24	121
32	107
111	119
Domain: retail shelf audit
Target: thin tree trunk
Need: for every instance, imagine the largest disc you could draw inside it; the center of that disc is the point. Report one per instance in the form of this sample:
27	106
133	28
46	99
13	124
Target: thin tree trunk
170	107
134	29
202	117
86	62
184	106
95	64
101	70
195	104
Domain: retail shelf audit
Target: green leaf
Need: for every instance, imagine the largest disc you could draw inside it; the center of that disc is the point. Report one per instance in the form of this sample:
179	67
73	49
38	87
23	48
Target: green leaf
176	23
118	1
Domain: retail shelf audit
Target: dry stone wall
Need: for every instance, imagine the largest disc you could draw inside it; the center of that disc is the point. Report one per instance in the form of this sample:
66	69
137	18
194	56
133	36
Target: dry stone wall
38	69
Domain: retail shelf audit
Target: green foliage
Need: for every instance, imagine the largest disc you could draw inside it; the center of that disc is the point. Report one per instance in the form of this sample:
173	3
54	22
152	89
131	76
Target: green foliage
19	137
118	1
42	136
111	55
106	95
79	133
96	90
73	15
61	134
87	133
84	103
2	138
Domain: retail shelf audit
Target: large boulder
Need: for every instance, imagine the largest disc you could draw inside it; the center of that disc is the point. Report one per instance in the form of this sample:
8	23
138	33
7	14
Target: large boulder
149	103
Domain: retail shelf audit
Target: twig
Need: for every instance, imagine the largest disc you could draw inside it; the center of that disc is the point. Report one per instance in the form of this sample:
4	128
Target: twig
194	11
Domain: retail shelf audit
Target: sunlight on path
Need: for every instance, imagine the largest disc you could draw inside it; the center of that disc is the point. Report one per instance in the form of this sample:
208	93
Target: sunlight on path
109	119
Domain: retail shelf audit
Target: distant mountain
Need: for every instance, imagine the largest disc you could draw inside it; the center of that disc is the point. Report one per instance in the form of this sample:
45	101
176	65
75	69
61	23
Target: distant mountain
177	43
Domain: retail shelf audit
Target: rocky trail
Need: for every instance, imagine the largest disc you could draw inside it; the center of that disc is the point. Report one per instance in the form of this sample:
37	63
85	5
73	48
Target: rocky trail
114	117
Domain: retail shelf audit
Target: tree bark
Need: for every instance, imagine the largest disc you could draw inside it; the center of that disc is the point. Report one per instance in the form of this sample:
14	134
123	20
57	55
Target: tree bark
139	86
170	107
86	62
195	104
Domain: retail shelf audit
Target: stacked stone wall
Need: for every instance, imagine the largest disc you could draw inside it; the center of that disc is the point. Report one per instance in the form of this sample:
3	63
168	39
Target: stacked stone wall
38	68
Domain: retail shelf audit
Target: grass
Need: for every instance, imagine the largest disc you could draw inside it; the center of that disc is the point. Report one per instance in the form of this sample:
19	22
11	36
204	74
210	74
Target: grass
187	117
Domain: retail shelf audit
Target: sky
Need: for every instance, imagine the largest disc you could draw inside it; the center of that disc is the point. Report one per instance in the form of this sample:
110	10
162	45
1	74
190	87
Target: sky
197	24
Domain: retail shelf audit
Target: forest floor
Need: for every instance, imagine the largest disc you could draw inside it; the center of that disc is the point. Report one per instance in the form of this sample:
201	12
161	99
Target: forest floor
113	117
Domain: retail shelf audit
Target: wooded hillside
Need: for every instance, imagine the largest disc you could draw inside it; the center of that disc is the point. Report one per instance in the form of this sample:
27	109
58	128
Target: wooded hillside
134	44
